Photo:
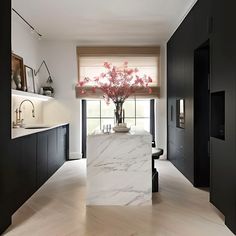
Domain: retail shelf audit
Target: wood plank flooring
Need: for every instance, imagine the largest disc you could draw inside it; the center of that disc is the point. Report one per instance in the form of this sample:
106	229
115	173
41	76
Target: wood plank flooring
58	209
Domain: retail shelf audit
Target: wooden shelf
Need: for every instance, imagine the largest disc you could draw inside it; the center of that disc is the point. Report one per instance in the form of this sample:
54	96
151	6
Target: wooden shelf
19	93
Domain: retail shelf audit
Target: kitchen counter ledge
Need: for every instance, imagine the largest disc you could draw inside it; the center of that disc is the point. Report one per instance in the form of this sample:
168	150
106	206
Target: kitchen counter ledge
20	132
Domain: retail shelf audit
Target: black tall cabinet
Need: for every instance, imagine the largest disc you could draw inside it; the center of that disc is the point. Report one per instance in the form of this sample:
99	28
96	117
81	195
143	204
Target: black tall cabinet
212	22
5	105
223	79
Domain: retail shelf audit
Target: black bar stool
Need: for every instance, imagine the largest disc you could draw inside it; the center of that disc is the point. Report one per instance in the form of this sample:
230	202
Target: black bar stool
156	153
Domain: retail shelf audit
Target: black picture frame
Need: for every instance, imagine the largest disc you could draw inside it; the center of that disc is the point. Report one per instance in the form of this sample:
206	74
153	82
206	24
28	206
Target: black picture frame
29	77
18	81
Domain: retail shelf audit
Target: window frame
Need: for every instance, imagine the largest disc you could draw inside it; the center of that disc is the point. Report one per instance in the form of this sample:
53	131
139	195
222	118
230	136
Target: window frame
84	120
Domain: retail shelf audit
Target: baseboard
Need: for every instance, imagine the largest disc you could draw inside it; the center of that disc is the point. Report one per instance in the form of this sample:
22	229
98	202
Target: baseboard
75	155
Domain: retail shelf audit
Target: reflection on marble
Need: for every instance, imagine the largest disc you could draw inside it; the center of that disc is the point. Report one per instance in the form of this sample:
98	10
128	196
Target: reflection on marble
119	169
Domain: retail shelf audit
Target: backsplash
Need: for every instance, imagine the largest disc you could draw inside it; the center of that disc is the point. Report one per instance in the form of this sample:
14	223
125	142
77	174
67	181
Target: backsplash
27	110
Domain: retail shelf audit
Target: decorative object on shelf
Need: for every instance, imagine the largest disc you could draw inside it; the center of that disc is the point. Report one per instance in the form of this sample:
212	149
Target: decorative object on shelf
17	73
119	112
106	129
29	76
117	84
48	90
121	128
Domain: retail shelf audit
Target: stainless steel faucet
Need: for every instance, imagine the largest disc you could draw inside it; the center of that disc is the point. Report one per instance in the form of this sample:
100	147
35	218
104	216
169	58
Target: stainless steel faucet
18	112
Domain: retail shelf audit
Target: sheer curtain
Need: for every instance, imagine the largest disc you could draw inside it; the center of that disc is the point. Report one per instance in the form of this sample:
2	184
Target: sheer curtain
91	66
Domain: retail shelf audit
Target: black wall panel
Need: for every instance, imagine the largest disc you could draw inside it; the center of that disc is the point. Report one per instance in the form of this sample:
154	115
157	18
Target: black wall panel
213	21
223	63
180	85
5	104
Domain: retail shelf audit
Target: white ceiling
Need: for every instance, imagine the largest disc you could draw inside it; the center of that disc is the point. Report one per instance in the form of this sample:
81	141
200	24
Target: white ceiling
105	22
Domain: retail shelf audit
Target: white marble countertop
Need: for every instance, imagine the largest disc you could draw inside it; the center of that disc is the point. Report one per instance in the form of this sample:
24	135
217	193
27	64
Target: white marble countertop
135	132
20	132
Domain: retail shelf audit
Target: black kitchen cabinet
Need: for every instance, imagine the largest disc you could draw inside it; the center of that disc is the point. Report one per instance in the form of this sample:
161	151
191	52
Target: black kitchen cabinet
53	158
52	152
27	167
62	144
32	160
42	158
21	182
223	83
208	24
203	22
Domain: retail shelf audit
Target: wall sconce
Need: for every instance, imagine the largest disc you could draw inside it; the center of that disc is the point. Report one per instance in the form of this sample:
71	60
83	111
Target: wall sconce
49	79
48	89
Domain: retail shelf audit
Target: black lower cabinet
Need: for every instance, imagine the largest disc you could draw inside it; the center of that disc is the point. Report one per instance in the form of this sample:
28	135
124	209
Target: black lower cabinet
42	158
53	158
32	160
62	144
52	147
27	168
22	172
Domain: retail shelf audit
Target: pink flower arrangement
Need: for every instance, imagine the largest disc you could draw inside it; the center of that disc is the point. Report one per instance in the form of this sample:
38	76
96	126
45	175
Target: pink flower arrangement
117	83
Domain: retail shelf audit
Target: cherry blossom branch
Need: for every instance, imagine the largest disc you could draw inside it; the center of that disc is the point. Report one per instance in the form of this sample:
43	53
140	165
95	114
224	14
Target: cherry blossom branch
117	83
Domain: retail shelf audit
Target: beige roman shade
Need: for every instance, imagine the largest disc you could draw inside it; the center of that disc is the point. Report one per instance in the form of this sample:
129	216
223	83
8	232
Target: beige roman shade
146	59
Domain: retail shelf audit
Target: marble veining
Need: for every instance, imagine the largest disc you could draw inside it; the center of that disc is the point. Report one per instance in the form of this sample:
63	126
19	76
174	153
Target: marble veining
119	169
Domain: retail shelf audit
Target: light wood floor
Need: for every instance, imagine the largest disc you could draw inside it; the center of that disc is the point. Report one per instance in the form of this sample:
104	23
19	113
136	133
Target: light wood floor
58	209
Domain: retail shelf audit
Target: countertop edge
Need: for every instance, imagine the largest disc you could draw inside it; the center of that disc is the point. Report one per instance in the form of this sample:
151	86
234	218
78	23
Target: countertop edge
25	132
128	134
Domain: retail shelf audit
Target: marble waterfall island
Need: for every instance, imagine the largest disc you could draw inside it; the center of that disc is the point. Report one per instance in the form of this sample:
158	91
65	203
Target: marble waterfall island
119	169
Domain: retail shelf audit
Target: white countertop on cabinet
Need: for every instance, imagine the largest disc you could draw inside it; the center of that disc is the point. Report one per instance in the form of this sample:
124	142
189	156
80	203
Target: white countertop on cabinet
20	132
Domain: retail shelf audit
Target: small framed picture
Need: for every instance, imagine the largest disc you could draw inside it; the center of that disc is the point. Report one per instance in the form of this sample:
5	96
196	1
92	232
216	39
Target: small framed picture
29	75
17	73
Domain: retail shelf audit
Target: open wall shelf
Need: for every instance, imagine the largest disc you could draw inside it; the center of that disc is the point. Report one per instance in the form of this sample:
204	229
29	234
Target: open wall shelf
30	95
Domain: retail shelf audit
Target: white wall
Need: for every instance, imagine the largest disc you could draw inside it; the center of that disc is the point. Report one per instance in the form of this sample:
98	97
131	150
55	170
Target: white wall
62	62
161	111
26	45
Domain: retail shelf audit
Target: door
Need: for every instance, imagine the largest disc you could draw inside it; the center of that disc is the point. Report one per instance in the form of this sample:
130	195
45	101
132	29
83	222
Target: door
201	116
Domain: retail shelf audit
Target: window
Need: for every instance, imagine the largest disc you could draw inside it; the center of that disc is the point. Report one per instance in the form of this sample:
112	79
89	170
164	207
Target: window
91	60
95	113
137	113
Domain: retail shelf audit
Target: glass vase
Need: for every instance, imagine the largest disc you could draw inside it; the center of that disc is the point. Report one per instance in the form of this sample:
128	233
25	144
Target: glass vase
119	113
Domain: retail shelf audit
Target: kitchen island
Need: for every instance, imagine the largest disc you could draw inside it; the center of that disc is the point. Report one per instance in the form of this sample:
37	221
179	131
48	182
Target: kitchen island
119	168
